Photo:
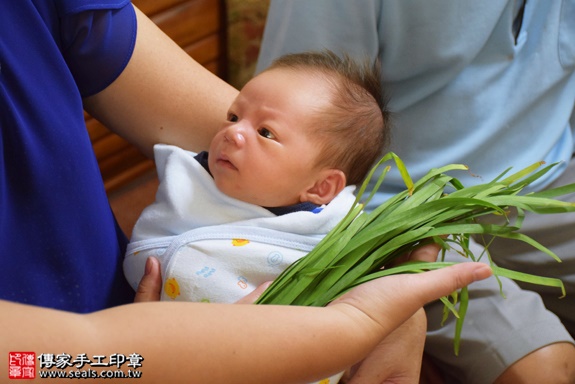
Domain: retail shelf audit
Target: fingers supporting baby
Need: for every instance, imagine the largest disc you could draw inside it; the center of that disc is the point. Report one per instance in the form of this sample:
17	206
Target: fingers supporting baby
150	286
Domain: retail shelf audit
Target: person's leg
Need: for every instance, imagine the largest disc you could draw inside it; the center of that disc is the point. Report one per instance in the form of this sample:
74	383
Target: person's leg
497	334
554	363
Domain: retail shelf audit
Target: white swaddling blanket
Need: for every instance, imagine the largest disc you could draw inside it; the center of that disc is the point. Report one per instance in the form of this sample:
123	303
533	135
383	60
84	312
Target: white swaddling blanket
213	247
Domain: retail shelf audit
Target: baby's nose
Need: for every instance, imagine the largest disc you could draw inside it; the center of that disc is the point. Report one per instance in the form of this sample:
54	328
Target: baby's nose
236	134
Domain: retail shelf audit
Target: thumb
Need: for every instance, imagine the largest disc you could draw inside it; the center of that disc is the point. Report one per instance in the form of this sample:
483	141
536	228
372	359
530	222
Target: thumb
150	286
435	284
393	299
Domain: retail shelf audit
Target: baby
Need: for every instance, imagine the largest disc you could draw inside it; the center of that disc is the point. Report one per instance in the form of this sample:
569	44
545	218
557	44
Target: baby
279	176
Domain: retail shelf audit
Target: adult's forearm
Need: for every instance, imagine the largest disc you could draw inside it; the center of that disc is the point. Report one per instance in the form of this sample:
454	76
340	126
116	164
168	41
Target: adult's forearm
195	342
162	95
236	343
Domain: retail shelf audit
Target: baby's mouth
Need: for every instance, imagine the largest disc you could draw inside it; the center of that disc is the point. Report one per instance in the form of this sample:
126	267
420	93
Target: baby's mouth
224	161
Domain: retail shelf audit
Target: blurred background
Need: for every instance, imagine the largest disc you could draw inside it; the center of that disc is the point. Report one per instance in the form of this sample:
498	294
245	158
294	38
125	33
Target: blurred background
222	35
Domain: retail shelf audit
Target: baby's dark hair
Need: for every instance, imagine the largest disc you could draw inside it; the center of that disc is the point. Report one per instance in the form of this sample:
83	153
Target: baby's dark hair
355	131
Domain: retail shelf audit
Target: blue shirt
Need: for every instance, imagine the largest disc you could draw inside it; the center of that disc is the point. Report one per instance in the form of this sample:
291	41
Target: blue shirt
60	246
483	83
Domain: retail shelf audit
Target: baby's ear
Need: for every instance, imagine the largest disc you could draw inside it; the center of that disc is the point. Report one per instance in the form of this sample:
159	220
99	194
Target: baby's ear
329	183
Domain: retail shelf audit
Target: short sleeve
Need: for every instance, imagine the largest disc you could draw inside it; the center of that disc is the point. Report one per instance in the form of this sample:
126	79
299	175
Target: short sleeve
97	44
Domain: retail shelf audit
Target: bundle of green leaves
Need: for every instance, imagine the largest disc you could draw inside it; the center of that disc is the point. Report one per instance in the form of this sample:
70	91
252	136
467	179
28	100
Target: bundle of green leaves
438	208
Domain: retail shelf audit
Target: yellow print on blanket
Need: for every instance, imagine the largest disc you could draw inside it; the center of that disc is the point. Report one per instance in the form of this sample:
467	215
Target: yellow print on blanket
240	242
172	288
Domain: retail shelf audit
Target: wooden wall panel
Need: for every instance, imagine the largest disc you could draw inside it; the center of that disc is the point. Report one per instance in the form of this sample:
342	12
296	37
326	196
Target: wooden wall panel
199	27
151	7
190	21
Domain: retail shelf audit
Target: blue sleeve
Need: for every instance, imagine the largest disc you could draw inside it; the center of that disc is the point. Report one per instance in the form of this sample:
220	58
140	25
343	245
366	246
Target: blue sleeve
97	45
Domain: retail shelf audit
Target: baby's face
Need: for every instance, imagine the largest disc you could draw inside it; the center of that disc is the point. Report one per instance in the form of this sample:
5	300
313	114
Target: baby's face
264	154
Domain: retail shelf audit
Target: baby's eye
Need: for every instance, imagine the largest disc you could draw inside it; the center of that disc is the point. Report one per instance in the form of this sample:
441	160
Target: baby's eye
233	118
266	133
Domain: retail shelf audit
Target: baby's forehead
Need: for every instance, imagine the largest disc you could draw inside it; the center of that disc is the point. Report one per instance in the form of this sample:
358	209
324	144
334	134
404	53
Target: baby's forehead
297	83
305	70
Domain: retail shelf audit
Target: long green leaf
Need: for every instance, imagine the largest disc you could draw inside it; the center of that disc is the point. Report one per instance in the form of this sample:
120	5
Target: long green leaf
438	208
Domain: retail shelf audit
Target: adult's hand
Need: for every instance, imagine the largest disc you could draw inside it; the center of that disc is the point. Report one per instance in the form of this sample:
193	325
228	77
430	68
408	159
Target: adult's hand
150	286
404	295
398	358
410	292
